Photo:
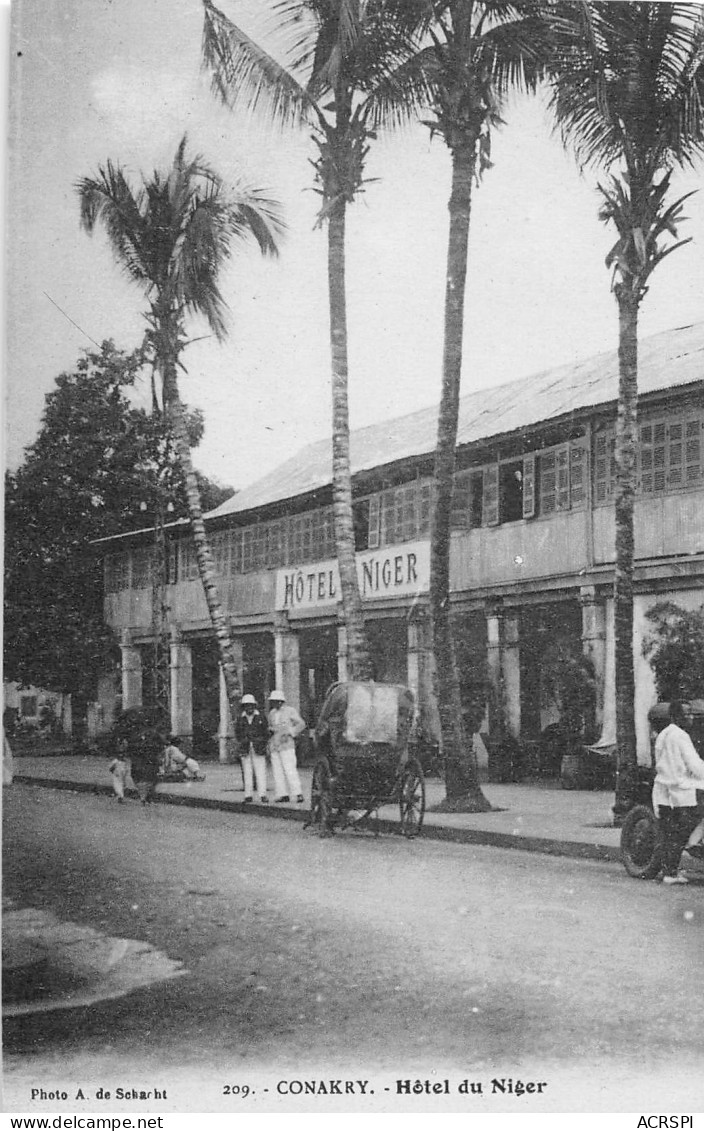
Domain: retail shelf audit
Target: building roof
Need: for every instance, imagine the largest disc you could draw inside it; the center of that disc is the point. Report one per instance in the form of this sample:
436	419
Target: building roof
666	360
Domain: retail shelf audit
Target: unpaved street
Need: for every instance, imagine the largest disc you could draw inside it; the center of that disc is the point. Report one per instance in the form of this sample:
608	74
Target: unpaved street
361	957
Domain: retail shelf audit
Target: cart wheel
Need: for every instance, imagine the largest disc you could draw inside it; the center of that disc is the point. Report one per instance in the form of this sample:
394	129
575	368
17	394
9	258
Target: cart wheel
412	798
321	798
641	843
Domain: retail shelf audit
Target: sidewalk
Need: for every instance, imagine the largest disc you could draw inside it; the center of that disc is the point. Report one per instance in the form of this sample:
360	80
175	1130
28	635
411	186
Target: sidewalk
535	817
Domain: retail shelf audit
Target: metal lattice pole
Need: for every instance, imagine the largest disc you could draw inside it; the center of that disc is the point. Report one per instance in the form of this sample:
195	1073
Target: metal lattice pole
160	627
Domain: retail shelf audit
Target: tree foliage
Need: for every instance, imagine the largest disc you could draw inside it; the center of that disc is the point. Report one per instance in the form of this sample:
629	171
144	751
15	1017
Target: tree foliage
675	650
91	473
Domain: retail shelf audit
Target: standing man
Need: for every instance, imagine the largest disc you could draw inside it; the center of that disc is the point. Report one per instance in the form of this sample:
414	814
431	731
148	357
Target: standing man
285	724
679	773
251	733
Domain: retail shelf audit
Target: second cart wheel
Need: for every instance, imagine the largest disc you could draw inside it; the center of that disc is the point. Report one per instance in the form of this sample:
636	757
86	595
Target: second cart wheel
321	798
412	798
641	843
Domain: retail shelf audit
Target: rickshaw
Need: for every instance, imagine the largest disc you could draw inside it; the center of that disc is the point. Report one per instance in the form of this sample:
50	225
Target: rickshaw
363	761
641	838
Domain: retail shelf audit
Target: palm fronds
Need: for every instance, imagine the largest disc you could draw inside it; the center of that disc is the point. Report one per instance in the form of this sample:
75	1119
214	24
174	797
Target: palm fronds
243	72
628	81
174	233
109	200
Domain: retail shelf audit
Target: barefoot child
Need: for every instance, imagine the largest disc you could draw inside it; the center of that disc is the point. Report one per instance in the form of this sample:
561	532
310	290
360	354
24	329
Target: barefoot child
119	771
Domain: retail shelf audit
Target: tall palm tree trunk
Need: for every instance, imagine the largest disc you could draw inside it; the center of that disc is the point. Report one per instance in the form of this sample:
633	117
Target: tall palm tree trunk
461	771
173	408
358	658
626	439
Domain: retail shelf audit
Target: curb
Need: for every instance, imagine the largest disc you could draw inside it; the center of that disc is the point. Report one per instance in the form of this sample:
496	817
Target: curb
547	846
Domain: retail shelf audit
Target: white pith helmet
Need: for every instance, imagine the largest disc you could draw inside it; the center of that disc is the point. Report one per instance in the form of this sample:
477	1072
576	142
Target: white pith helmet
277	696
248	699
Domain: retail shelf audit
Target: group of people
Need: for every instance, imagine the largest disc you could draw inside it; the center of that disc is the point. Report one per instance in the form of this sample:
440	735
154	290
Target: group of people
275	735
679	771
146	762
256	736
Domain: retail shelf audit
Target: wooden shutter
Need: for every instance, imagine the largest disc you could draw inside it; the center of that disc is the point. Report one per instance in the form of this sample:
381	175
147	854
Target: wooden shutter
425	498
461	501
374	515
548	482
562	487
578	475
659	455
476	500
693	449
491	494
645	456
675	454
528	486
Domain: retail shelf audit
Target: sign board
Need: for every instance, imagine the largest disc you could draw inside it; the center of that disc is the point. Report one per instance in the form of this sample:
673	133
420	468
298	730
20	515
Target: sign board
395	571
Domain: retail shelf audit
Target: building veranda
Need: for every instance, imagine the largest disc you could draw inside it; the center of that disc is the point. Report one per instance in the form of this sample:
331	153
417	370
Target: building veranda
531	560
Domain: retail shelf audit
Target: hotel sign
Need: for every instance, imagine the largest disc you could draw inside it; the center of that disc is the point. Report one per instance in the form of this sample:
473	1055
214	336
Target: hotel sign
395	571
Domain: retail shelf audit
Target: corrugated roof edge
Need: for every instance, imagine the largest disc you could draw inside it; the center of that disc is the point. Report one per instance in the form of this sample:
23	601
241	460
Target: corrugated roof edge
484	413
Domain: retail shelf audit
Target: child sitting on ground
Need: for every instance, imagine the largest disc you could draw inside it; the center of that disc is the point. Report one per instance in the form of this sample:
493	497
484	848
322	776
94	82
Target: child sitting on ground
176	762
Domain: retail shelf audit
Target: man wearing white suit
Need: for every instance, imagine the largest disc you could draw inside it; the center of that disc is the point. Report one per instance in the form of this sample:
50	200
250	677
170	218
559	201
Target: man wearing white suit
285	724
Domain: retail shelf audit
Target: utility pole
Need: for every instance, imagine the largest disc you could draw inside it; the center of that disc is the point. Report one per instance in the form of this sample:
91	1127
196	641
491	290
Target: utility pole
160	665
160	611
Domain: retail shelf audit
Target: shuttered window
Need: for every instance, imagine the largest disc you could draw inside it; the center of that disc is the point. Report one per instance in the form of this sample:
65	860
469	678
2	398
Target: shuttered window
670	453
467	500
374	516
405	513
563	472
274	550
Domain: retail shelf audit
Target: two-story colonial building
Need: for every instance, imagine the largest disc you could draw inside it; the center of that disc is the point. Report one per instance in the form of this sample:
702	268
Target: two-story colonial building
531	561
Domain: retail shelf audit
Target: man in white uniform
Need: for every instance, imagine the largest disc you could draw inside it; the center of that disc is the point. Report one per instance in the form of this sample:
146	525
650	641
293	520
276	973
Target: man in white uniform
285	724
679	774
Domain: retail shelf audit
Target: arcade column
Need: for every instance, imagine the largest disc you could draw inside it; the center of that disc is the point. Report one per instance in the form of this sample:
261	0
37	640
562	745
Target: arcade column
594	640
131	672
503	662
421	671
181	687
226	729
341	653
286	662
511	672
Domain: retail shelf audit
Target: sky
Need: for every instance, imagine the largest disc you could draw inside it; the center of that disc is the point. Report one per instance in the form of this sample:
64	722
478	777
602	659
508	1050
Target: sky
121	79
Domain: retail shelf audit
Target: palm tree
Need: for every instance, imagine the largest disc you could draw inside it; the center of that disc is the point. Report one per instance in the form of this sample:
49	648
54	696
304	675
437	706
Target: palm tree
339	80
478	52
628	91
172	236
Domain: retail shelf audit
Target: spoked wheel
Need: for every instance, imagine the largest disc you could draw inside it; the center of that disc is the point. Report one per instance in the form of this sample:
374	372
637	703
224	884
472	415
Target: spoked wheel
321	798
641	843
412	798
